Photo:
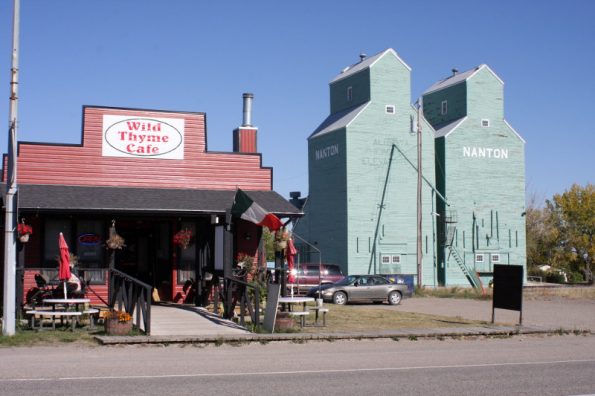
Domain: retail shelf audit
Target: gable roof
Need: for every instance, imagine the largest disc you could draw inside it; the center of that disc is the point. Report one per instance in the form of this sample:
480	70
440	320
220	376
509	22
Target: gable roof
367	63
445	130
460	77
338	120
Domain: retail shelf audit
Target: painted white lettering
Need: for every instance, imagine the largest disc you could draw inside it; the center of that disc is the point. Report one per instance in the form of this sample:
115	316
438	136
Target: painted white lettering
485	152
326	152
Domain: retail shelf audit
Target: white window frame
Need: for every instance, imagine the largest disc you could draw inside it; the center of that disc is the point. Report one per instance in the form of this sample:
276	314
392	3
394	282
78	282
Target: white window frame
479	258
495	258
396	259
349	94
485	123
444	107
390	109
385	257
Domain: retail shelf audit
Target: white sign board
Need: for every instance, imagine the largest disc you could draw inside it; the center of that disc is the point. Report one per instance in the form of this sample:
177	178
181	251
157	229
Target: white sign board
129	136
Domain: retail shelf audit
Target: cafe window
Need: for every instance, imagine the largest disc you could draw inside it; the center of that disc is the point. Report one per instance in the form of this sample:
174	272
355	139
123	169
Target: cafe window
90	250
51	252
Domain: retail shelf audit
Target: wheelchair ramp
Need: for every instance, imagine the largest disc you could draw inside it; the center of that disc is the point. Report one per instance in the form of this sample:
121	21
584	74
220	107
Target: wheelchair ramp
184	320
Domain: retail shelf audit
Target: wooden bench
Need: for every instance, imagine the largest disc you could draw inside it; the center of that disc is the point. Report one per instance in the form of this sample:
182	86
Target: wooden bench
53	315
301	314
319	310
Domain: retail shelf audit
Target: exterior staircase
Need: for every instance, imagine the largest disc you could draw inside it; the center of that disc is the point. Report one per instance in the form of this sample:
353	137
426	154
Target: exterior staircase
470	274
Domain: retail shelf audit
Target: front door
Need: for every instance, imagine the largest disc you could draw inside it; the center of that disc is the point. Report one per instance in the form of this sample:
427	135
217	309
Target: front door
146	255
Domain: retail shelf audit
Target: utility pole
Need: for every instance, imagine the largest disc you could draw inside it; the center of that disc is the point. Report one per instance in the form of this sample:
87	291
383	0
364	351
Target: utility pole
10	244
419	182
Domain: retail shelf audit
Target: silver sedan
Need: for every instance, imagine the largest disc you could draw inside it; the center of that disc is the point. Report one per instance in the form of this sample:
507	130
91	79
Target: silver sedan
361	288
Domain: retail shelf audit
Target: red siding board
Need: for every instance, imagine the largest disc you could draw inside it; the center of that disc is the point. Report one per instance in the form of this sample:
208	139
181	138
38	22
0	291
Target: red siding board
84	164
29	285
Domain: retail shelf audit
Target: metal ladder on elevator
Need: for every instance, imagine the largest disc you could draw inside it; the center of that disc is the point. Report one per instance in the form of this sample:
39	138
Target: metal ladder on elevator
450	224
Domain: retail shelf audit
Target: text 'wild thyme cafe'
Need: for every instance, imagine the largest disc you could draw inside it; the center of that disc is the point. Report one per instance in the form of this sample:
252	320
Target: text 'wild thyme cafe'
149	173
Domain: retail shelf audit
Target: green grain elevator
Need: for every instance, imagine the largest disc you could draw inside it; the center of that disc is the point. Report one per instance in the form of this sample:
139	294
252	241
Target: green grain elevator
480	169
361	207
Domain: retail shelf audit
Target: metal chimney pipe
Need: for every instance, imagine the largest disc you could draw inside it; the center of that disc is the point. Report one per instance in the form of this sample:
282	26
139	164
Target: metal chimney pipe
247	121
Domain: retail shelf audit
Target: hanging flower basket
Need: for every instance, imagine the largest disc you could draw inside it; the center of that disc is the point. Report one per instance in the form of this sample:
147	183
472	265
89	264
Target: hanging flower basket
281	238
182	238
115	241
24	231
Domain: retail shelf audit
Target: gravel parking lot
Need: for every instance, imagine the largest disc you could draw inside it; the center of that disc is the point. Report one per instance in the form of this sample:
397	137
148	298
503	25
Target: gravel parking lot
550	313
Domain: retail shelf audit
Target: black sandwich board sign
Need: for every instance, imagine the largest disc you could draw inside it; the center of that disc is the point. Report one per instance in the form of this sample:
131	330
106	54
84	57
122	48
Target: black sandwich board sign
508	289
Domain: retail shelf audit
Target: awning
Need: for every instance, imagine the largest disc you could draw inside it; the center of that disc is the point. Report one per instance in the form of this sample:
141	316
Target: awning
62	198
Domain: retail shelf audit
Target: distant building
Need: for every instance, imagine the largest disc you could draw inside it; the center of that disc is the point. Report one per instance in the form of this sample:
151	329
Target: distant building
480	169
361	207
353	165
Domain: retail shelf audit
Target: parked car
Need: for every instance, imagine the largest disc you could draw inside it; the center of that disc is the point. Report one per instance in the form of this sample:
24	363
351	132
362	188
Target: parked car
361	288
306	275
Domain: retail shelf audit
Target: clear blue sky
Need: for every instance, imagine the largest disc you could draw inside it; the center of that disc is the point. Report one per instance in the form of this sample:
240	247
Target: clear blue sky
191	55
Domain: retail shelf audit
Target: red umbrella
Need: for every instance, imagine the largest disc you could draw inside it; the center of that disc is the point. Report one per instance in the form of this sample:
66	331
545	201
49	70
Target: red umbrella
289	253
64	268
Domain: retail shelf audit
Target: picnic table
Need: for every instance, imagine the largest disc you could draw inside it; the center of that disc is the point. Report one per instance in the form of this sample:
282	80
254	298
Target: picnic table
63	308
295	301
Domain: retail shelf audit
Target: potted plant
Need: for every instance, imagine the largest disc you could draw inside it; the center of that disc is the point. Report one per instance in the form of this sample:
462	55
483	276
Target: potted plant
183	237
23	231
117	322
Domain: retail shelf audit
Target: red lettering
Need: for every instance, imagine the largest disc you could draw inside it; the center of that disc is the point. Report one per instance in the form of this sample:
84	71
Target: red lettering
133	126
148	149
143	126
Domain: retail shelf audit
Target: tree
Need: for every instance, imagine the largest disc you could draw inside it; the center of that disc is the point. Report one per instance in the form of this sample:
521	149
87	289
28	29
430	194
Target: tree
269	239
573	215
542	237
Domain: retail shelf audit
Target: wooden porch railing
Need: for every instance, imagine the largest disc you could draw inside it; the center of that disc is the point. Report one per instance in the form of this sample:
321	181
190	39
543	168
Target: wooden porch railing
237	290
129	294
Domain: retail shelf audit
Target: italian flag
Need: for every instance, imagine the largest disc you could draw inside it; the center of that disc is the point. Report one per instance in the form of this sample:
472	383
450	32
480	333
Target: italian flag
245	208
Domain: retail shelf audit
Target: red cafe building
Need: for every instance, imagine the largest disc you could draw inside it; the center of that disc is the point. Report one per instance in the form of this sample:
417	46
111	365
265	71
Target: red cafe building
151	172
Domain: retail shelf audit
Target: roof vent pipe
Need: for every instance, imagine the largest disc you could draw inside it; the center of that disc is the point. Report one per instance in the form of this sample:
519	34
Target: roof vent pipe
247	121
455	71
362	56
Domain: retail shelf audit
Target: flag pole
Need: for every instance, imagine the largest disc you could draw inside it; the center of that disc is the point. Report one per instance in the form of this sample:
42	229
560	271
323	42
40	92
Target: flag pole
9	310
419	197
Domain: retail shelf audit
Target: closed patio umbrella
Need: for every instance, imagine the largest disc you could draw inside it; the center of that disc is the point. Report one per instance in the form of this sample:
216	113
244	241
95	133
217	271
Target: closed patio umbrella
64	262
289	253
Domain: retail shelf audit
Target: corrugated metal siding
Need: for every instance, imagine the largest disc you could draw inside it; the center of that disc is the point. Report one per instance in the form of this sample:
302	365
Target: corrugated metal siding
84	165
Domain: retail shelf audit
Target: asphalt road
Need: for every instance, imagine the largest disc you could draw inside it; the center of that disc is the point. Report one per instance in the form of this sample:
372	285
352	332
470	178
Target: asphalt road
528	365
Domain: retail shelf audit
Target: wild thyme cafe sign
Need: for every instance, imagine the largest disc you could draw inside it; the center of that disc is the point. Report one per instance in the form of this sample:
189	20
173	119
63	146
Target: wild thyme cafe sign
126	136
